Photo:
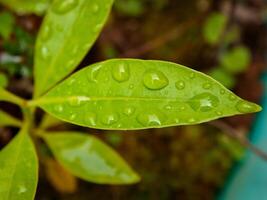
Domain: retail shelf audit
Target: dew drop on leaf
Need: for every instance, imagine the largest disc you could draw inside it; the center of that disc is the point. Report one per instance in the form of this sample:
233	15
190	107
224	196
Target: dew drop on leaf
129	111
155	80
110	118
151	119
204	102
62	7
22	189
95	8
180	85
46	33
232	97
121	72
90	119
206	86
59	108
45	52
93	72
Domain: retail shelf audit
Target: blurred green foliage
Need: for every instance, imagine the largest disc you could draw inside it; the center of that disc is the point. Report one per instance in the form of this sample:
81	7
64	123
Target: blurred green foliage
236	60
3	80
7	22
214	27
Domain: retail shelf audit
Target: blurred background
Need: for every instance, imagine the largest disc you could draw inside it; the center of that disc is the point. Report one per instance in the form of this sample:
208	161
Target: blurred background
223	38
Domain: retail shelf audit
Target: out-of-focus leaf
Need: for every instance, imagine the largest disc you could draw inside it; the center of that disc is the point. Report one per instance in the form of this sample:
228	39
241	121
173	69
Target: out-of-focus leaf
236	60
214	27
3	80
90	159
131	8
18	169
137	94
27	6
59	177
8	120
7	22
69	30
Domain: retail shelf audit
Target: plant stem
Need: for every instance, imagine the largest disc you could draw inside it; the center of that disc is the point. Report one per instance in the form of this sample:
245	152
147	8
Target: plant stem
9	97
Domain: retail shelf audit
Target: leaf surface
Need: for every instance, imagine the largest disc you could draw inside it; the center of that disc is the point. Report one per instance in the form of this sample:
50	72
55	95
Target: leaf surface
68	31
90	159
18	169
27	6
138	94
8	120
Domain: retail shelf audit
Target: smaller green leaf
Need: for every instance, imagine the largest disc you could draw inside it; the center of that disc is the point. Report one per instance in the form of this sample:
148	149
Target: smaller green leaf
18	169
7	22
236	60
214	27
8	120
224	77
90	159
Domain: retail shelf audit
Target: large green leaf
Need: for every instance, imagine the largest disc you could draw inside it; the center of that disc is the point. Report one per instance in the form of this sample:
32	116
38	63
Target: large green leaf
137	94
27	6
90	159
8	120
69	30
18	169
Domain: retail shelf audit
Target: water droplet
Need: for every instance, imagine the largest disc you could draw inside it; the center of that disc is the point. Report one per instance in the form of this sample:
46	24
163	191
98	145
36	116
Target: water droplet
180	85
182	108
155	80
93	72
46	33
78	101
151	119
168	107
232	97
98	28
219	113
90	119
247	107
45	52
121	73
129	111
192	75
59	108
71	82
72	117
191	120
204	102
177	120
131	86
62	7
110	118
95	8
22	189
206	86
222	91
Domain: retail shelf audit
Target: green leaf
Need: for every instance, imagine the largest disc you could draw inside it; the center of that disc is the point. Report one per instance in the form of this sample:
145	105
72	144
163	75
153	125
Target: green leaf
90	159
7	21
138	94
8	120
27	6
214	27
69	30
18	169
